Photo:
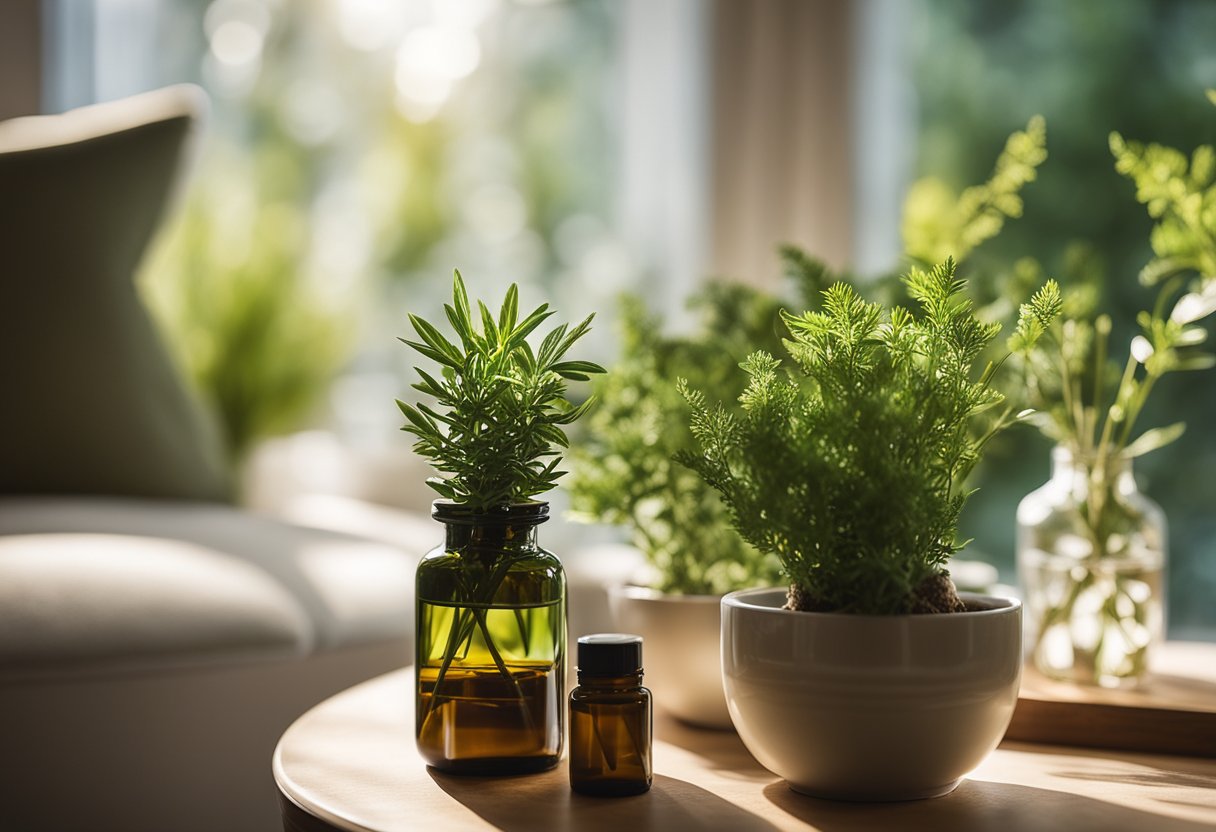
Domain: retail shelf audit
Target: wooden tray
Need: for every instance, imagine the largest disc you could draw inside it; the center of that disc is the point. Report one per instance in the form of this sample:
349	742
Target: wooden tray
1173	713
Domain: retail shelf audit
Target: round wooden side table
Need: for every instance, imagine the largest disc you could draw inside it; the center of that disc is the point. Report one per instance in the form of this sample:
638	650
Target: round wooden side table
349	764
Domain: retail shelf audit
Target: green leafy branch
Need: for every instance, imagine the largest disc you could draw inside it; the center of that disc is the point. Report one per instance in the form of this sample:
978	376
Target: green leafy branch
1181	195
1092	407
501	405
938	224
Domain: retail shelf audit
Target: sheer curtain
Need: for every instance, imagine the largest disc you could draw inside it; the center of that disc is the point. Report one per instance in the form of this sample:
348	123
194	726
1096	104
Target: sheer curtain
783	134
811	133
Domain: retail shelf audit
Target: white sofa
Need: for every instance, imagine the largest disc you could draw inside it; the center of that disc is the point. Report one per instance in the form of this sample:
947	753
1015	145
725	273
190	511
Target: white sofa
151	653
155	640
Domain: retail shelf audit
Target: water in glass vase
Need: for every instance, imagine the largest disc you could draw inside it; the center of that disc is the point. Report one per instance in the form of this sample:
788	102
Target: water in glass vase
496	706
1094	622
1091	556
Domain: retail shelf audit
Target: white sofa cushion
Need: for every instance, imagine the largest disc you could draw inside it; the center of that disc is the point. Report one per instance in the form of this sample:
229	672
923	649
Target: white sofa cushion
303	588
81	194
78	601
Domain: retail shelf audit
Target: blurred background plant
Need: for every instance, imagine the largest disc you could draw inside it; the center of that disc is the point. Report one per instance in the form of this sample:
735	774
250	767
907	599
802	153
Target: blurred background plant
230	285
575	146
624	471
317	212
1091	548
1088	67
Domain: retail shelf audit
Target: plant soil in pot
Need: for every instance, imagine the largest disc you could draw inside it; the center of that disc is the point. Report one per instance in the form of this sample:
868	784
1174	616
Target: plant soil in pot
491	615
851	471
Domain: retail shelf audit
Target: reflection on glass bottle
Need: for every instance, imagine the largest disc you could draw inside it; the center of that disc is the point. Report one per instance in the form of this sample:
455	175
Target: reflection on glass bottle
1091	556
491	635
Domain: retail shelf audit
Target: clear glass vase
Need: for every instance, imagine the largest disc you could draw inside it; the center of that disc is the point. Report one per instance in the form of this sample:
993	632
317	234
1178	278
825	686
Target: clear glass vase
491	644
1091	560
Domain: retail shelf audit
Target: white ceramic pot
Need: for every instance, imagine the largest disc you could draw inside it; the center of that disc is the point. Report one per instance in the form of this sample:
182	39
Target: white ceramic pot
681	650
856	707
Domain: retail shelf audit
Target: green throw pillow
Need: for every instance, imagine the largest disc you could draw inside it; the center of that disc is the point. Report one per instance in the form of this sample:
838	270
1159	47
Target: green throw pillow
90	400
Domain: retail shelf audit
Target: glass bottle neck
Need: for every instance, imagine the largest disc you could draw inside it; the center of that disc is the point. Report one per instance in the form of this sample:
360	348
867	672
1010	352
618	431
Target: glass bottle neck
632	680
1083	474
496	534
508	527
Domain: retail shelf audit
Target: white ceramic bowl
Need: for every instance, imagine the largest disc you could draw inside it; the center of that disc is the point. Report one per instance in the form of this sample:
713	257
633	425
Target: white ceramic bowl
870	707
681	650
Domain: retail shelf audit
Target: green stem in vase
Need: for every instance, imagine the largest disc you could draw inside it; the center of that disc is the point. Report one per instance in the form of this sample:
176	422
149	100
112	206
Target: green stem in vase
524	631
502	667
464	621
449	654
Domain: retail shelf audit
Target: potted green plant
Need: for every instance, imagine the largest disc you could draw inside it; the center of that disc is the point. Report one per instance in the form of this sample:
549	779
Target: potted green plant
491	604
869	677
624	474
1091	546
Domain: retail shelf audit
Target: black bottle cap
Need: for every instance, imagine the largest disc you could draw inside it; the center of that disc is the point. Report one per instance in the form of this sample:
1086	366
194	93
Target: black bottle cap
609	654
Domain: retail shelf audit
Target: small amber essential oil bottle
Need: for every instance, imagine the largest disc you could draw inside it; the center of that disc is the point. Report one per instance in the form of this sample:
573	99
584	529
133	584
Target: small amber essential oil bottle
611	724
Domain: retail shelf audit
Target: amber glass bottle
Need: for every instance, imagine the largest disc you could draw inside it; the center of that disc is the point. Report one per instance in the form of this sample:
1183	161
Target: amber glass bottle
611	724
491	616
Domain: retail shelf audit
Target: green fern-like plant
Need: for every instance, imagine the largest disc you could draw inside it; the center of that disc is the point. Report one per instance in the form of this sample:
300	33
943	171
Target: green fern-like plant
624	473
851	469
502	404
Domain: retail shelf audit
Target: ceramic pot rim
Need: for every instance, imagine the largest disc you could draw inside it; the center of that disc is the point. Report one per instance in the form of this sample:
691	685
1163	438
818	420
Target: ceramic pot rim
635	592
994	605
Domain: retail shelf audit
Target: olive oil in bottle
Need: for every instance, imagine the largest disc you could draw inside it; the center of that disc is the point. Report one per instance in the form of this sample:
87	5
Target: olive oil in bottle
611	723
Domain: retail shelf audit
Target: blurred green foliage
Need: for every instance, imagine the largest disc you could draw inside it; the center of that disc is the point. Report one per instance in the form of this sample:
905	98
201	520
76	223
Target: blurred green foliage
319	195
1089	66
1180	194
260	343
624	471
938	223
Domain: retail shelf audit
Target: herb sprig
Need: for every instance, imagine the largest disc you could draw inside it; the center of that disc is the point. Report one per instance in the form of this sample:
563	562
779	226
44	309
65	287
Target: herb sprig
501	405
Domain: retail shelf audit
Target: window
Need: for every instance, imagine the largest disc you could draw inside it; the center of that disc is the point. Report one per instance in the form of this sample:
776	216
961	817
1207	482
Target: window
587	147
979	71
